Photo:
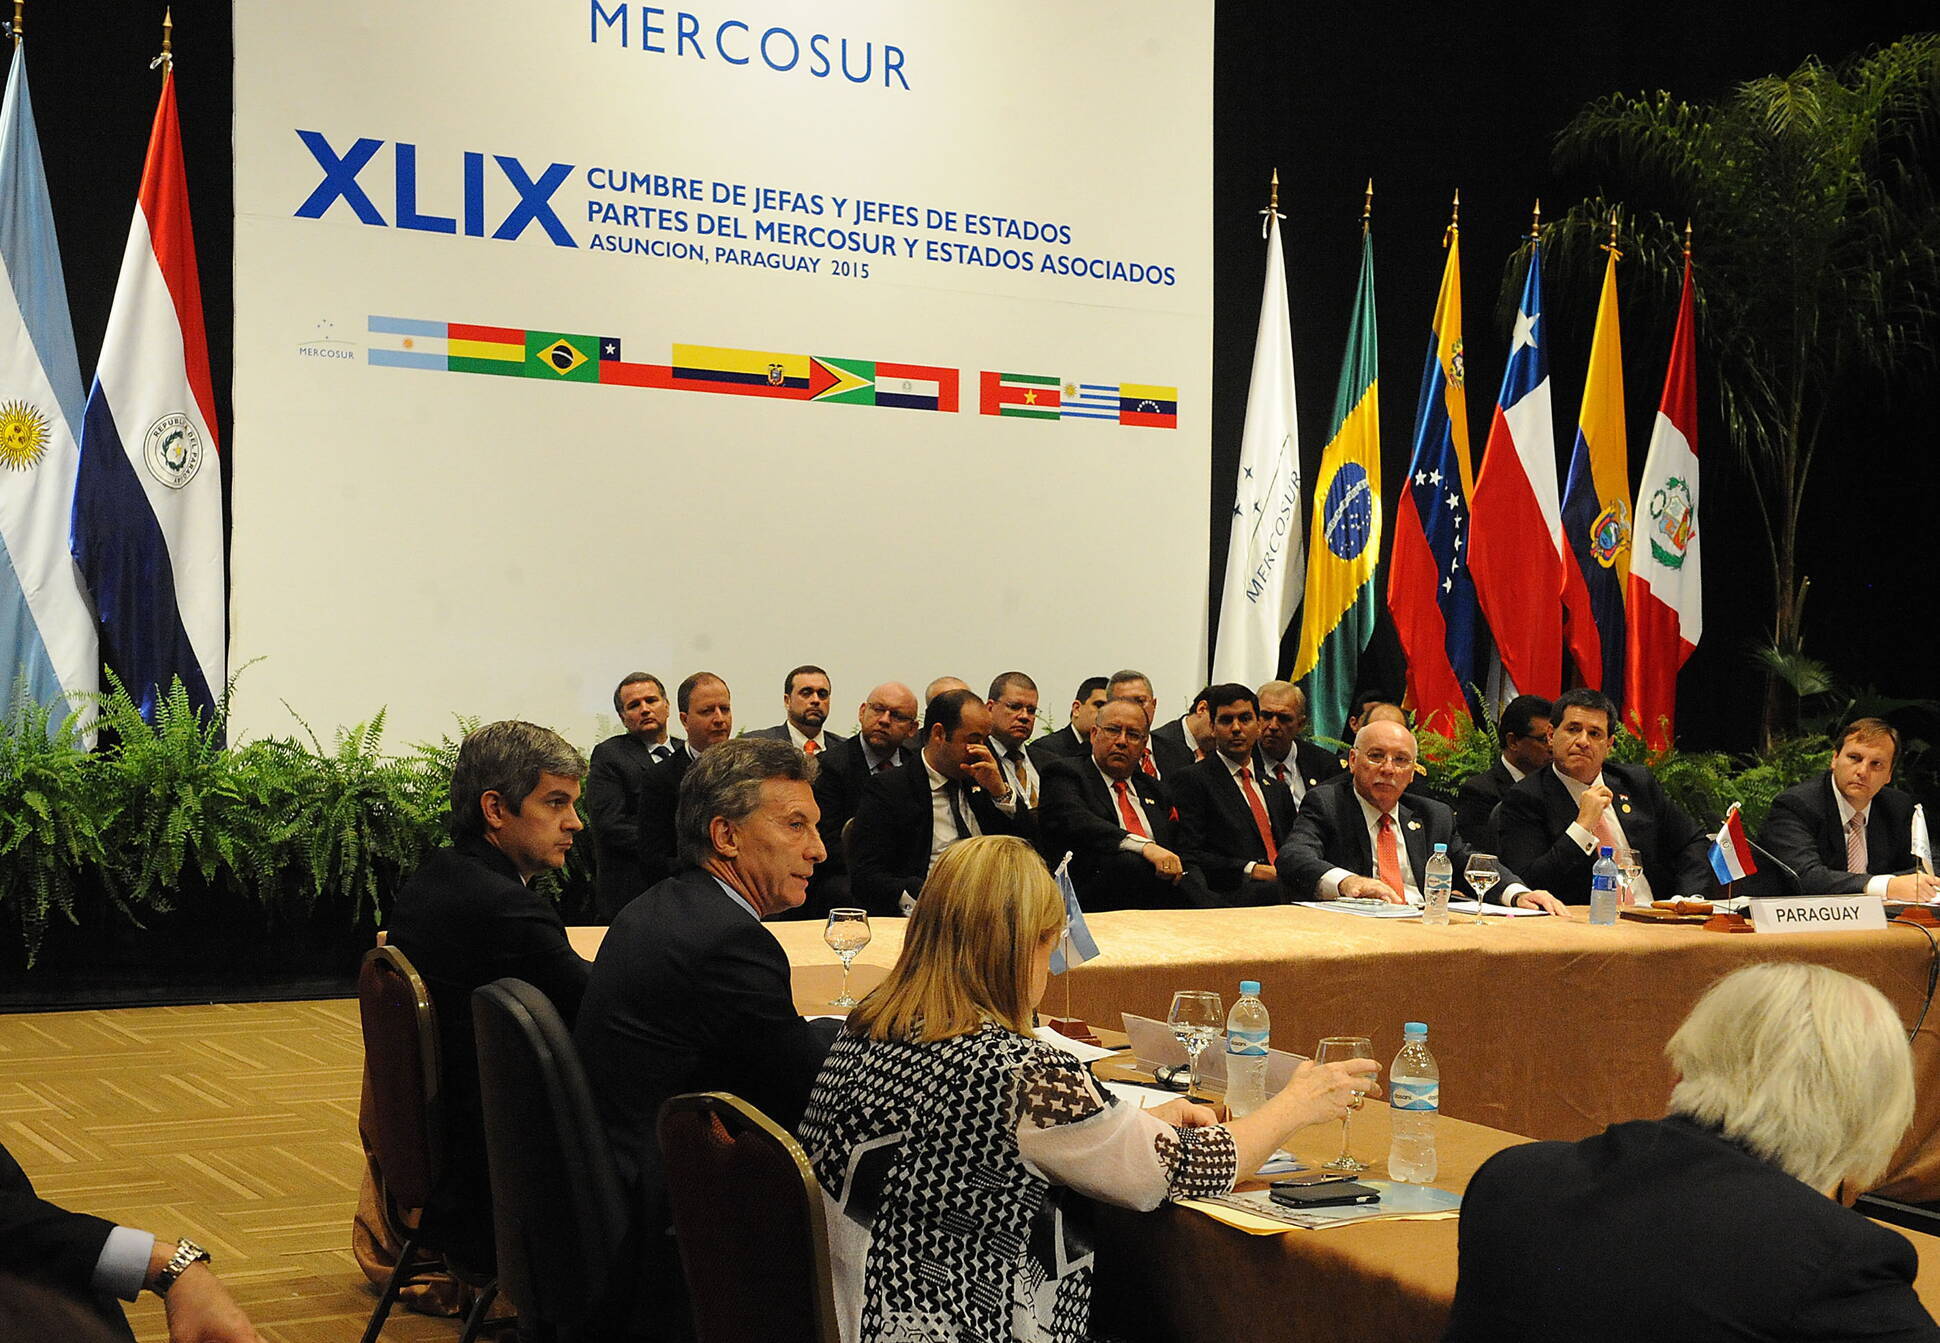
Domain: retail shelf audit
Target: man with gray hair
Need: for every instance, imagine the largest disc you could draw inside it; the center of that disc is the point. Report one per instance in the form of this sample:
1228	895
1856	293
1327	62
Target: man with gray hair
1793	1080
468	916
690	992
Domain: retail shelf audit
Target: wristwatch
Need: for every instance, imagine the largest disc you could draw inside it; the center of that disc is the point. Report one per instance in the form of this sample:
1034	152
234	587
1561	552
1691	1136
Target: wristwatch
186	1252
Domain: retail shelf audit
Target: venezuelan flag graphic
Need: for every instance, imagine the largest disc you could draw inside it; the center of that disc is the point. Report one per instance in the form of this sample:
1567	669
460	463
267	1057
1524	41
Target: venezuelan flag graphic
1147	406
1345	541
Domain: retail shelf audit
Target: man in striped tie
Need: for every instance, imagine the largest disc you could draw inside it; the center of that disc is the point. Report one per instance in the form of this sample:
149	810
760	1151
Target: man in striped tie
1848	831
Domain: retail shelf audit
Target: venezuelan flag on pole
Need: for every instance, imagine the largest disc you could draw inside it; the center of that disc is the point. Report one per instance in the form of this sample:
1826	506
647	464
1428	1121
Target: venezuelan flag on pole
147	529
1431	595
1345	539
47	639
1666	610
1596	510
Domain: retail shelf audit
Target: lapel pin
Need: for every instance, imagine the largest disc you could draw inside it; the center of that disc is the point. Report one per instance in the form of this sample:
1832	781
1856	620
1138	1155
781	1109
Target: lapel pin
1414	825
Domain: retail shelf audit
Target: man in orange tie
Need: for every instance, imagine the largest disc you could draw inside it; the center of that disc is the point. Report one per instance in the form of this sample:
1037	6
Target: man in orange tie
1117	821
1232	819
1356	839
805	695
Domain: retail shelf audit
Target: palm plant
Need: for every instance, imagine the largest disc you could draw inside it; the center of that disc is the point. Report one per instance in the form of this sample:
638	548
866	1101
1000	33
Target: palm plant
1817	259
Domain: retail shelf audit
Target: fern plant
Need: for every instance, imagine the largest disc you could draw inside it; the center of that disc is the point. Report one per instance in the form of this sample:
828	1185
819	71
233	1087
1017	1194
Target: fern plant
54	817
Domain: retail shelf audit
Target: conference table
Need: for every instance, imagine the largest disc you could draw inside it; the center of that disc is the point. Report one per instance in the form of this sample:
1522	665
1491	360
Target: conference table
1544	1027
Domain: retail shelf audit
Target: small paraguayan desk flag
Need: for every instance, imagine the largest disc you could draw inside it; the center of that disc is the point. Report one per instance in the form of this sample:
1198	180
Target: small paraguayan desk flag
47	642
1922	846
1731	858
1076	946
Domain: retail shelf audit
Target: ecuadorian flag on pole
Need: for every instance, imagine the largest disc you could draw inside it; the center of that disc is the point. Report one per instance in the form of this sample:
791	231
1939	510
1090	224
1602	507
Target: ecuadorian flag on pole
1345	539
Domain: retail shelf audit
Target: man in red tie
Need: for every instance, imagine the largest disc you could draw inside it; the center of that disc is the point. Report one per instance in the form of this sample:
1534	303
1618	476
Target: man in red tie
805	696
1231	816
1356	839
1160	756
1117	821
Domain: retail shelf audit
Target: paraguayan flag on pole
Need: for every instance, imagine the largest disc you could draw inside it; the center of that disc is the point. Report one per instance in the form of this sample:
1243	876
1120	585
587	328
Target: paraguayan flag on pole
46	625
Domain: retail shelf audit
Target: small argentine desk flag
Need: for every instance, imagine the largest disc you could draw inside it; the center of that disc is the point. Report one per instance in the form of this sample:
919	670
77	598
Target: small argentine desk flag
1076	946
1922	845
1731	856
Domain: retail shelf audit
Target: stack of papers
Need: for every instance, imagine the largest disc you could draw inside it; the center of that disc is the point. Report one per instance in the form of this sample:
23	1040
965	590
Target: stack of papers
1256	1212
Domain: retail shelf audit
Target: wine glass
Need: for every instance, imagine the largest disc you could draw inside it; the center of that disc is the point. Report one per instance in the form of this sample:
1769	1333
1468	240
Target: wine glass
1630	866
1335	1049
847	932
1197	1018
1482	873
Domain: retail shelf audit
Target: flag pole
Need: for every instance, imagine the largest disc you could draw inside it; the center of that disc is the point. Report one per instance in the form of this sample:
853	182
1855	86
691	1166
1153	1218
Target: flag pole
18	6
1536	222
1611	246
1454	229
167	58
1367	207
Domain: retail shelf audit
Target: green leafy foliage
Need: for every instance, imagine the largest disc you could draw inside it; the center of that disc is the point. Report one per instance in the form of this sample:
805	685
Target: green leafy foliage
54	816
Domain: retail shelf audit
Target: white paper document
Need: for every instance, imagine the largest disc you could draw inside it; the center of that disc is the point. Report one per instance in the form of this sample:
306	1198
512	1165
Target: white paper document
1367	909
1499	911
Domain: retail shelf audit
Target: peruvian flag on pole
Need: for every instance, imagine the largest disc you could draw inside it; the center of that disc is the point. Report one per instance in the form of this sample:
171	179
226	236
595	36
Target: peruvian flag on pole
1516	547
147	524
1666	607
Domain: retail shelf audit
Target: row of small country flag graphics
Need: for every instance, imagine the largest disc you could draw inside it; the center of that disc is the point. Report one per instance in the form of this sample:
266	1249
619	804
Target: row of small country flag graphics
455	347
1034	396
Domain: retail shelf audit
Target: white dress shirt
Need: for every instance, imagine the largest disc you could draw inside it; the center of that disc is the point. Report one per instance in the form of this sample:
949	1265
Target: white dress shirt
943	825
1330	880
1875	885
1296	783
1130	843
1587	841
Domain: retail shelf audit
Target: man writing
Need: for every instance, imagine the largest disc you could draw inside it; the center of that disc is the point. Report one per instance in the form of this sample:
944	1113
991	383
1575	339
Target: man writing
1231	819
1848	832
613	784
1355	839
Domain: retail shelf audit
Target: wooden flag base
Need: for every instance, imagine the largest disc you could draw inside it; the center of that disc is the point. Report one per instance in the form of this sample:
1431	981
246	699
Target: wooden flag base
1075	1028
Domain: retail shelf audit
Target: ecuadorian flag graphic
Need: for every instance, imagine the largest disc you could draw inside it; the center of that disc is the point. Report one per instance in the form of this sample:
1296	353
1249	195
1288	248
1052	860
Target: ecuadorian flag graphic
1345	541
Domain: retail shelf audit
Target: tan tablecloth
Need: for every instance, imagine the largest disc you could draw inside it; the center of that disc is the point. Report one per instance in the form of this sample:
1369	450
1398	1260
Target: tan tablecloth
1546	1027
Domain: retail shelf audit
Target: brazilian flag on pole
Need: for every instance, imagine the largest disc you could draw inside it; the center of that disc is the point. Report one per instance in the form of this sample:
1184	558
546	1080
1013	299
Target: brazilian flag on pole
1346	535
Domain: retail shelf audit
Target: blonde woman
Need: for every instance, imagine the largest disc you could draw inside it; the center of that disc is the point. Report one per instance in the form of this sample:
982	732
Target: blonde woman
1715	1222
946	1137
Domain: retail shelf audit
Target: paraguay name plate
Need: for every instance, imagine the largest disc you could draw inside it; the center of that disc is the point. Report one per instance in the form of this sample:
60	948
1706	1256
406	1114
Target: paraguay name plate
1818	913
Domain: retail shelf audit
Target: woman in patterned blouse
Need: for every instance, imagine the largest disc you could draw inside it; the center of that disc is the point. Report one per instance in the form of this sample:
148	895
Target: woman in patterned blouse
947	1138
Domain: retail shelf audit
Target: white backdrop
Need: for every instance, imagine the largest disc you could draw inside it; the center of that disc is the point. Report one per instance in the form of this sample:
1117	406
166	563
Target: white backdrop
434	539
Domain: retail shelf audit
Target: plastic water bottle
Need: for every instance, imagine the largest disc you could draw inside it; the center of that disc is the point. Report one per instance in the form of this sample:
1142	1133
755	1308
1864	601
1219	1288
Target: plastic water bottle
1603	887
1246	1036
1441	880
1414	1099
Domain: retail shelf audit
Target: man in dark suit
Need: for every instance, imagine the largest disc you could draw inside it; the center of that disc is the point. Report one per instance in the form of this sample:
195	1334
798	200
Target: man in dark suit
1286	755
1012	704
1074	738
1847	832
1524	726
707	717
886	723
691	993
907	817
90	1261
1117	822
1793	1079
1194	731
467	917
620	765
805	699
1355	838
1162	756
1551	824
1232	819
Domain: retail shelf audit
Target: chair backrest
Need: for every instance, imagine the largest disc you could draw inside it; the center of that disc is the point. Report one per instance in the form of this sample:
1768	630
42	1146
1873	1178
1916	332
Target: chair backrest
748	1213
401	1068
558	1209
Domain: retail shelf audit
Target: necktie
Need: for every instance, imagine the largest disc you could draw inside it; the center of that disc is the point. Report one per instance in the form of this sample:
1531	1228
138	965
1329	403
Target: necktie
956	810
1254	801
1280	773
888	762
1856	842
1388	857
1126	813
660	752
1147	765
810	748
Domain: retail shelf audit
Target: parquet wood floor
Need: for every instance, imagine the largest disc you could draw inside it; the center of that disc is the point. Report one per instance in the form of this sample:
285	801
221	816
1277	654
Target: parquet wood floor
234	1124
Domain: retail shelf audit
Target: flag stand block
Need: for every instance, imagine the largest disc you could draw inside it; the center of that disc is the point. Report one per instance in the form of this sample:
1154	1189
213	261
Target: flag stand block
1075	1028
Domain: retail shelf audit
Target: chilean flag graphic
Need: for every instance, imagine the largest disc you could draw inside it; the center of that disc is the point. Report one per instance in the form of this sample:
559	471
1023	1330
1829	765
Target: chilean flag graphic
147	524
1516	547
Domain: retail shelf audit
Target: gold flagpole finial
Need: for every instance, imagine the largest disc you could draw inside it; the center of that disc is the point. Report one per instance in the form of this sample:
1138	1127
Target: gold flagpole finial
1454	219
1272	210
1536	222
1687	240
1611	246
1367	207
18	6
167	58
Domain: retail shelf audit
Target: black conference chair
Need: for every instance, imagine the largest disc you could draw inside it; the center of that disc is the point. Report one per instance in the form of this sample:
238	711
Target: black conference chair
559	1213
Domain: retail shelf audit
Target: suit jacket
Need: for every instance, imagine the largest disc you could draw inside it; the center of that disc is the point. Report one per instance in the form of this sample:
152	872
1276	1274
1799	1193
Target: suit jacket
1057	745
659	852
1476	802
51	1246
465	919
779	732
613	783
843	769
689	993
1331	831
1173	757
1078	814
1006	761
1778	1260
1536	814
1175	732
1218	833
1803	830
1315	764
891	838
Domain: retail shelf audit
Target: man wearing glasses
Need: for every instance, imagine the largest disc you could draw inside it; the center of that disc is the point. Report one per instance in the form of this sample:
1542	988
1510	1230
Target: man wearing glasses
885	723
1013	718
1355	839
1524	728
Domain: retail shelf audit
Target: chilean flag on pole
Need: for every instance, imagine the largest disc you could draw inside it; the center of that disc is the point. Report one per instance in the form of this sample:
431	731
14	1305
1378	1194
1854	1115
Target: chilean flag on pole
1666	608
147	526
1516	546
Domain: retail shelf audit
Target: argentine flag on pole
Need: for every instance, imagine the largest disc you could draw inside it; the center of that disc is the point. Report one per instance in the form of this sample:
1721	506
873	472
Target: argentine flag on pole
147	527
46	624
1077	945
